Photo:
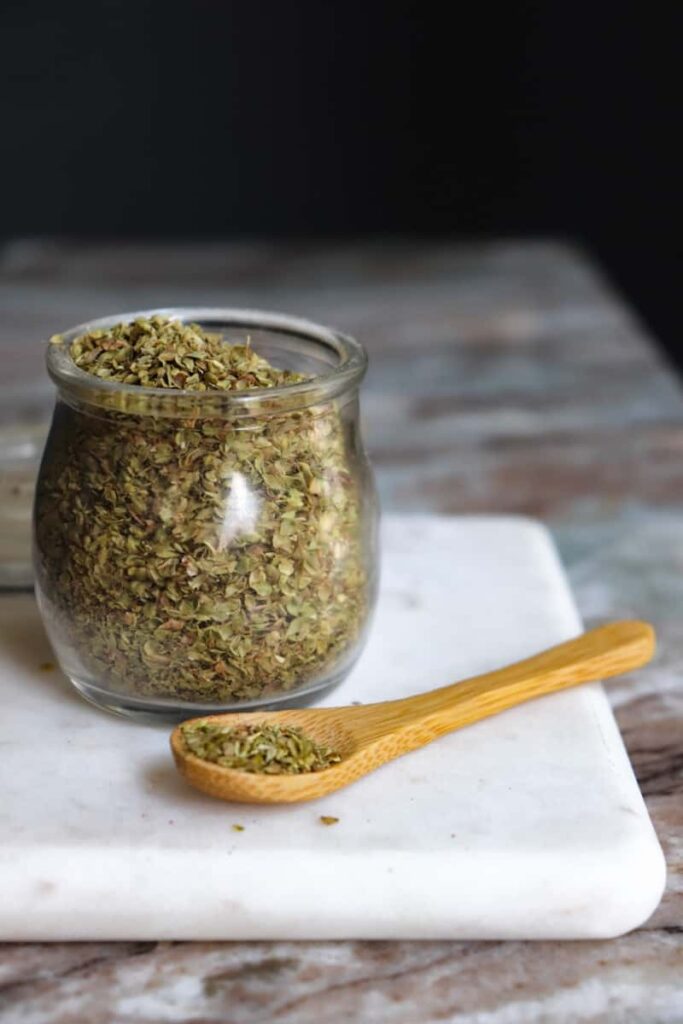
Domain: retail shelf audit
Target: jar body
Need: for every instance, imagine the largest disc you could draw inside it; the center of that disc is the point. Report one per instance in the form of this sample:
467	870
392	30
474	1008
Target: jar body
193	565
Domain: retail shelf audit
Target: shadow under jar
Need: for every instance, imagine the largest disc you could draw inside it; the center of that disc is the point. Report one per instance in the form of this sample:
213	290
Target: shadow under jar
202	551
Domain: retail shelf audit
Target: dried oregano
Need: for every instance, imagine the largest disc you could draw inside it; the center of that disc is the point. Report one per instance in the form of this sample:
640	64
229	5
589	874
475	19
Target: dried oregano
260	748
205	559
162	353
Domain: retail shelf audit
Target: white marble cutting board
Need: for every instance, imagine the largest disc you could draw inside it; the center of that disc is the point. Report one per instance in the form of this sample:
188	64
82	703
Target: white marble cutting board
529	825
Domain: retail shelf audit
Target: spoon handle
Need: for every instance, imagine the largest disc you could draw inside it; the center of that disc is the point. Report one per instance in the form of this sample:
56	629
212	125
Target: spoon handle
600	653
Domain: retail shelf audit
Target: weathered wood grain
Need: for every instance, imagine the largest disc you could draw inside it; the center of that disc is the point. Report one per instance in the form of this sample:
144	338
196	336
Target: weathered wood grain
504	377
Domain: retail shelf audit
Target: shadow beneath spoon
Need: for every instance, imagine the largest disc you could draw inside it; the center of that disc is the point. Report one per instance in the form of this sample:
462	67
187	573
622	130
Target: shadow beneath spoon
161	779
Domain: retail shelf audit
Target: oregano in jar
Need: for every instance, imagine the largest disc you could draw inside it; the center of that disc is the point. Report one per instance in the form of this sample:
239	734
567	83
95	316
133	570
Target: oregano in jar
190	554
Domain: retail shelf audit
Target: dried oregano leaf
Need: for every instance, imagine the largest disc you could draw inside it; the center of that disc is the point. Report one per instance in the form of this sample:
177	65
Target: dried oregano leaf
210	560
259	748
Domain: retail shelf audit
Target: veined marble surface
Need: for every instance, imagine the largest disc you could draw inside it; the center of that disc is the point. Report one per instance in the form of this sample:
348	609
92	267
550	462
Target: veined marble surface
505	377
529	825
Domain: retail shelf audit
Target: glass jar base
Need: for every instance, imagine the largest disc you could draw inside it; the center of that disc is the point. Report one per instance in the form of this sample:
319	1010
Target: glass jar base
158	711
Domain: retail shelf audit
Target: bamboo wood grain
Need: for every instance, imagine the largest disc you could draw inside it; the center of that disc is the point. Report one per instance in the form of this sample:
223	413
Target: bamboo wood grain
369	736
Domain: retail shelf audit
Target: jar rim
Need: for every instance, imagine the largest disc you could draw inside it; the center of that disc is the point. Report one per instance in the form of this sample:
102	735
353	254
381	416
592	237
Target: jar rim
87	388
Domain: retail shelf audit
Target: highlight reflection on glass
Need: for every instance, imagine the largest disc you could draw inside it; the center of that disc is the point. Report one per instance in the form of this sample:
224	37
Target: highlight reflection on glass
242	506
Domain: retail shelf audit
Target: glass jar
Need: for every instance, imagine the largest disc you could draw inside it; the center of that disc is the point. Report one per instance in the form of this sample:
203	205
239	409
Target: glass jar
206	551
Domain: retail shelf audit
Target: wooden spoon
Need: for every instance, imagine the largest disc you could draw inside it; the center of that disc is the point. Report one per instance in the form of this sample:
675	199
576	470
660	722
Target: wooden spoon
367	736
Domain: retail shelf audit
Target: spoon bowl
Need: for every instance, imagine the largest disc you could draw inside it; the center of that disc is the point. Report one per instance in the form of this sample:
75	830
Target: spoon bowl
324	725
367	736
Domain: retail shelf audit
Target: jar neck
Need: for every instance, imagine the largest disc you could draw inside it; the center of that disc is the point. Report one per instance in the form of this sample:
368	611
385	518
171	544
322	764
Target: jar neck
187	411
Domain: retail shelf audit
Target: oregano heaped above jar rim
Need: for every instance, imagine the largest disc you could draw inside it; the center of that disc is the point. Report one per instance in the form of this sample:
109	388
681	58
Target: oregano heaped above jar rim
343	360
161	352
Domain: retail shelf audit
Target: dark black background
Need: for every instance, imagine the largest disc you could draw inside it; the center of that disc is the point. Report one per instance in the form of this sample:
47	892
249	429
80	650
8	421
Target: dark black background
315	118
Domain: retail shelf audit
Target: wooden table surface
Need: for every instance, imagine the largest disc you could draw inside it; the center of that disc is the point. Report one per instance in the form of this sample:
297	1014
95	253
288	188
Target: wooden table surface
505	377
